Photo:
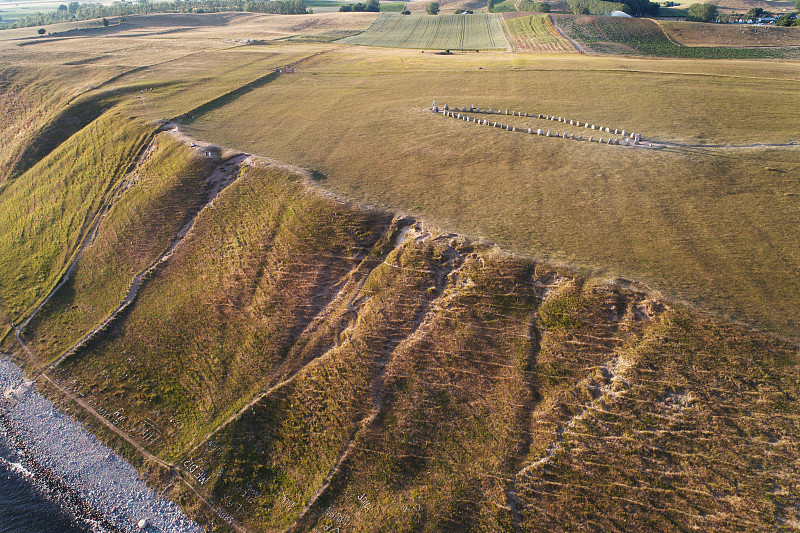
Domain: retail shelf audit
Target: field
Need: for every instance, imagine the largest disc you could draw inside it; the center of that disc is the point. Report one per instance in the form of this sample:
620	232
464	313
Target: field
480	31
629	36
536	33
330	6
393	320
697	34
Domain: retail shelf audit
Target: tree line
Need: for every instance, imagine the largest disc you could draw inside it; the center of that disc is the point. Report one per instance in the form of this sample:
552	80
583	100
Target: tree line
635	8
84	11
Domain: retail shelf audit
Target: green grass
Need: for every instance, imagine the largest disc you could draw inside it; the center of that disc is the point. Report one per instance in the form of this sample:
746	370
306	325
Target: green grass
137	229
46	212
456	32
671	12
392	7
616	35
507	6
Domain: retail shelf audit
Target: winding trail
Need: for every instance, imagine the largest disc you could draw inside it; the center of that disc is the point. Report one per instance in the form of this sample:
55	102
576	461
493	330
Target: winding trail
579	47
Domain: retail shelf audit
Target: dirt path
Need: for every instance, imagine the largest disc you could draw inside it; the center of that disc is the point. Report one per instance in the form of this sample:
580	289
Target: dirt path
579	47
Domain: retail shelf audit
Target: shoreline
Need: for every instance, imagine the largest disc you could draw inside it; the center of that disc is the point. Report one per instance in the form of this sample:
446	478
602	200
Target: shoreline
96	482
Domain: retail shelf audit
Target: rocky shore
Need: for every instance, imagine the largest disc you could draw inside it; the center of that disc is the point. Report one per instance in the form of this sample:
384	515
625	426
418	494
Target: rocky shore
91	480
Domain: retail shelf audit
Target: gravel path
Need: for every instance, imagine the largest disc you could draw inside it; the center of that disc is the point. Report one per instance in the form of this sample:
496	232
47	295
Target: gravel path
64	450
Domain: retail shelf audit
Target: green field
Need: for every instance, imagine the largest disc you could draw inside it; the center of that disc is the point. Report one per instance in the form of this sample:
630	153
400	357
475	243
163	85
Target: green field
632	36
480	31
536	33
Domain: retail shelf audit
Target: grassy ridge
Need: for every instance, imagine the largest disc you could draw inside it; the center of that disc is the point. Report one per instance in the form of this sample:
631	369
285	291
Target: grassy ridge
165	188
242	288
618	35
46	212
28	98
458	32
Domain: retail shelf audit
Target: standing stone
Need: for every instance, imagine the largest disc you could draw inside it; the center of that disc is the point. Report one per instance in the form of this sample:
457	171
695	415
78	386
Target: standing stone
530	130
514	128
434	108
541	116
623	133
616	131
539	131
601	140
591	138
446	107
592	126
578	123
547	134
580	137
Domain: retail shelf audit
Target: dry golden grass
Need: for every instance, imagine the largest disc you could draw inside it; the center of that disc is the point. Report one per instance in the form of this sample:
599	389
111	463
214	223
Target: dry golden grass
652	215
738	35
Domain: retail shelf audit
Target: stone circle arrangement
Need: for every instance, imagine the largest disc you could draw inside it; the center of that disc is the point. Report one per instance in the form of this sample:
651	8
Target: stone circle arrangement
625	139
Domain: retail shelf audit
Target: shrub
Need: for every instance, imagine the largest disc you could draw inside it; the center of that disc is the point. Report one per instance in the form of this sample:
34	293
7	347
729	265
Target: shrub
531	5
702	13
432	8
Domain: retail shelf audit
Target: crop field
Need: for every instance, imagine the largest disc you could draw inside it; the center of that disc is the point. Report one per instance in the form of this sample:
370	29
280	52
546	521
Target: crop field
536	34
480	31
631	36
699	34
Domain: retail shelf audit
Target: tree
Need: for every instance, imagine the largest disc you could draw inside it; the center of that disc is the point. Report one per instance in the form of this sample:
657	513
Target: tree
702	13
373	6
62	7
785	20
346	8
105	22
755	13
432	8
41	31
73	8
490	5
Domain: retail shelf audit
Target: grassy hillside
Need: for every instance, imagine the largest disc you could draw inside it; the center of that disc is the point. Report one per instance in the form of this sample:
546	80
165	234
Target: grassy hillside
298	361
47	212
632	36
536	33
382	376
159	195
